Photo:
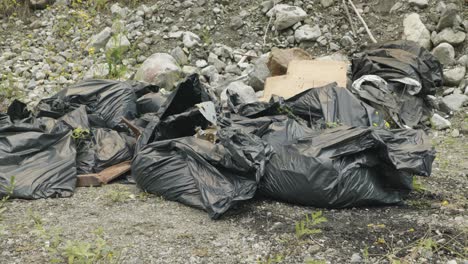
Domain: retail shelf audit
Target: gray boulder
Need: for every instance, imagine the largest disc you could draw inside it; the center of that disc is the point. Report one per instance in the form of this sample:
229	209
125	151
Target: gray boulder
307	33
463	60
445	53
455	101
160	69
415	30
219	64
439	122
454	76
286	15
448	35
449	19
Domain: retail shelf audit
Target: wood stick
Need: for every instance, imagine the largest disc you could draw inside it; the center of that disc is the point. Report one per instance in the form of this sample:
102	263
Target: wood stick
362	21
353	27
268	25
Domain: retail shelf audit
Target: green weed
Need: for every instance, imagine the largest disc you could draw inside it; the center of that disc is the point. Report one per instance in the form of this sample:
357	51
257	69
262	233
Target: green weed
271	259
119	195
307	226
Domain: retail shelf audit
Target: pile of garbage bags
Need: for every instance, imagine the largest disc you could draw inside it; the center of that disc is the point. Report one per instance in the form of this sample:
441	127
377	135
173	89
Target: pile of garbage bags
326	147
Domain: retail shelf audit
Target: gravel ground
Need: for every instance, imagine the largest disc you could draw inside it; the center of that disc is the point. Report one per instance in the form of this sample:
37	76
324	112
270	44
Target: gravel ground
140	228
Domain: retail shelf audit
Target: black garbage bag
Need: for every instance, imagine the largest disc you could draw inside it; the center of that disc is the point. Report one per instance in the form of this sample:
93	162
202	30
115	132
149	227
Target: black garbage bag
400	59
346	167
198	173
103	148
178	116
150	103
330	103
43	164
395	78
106	101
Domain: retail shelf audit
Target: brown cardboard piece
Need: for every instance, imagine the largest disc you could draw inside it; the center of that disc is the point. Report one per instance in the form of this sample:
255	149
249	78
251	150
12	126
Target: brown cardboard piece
305	74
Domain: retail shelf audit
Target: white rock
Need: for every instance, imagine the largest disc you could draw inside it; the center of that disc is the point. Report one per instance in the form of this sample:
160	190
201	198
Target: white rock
445	53
356	258
439	122
160	69
201	63
415	30
454	76
463	60
307	33
286	15
100	70
190	39
246	93
117	10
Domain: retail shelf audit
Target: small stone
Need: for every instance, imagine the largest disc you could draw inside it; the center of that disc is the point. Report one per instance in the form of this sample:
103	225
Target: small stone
449	19
347	41
190	39
286	15
118	41
117	10
267	6
40	75
245	93
455	133
448	35
201	63
219	64
99	40
445	53
326	3
179	56
189	70
307	33
454	76
439	122
356	258
232	68
455	101
415	30
236	22
449	91
463	60
419	3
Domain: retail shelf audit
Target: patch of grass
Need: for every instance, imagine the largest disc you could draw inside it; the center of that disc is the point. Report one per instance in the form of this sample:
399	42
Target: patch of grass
308	226
119	195
114	58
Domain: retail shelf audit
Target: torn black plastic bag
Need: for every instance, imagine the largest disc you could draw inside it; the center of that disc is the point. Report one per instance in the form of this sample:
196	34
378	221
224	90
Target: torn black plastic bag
103	148
397	60
180	111
106	101
346	167
43	164
150	103
201	174
330	103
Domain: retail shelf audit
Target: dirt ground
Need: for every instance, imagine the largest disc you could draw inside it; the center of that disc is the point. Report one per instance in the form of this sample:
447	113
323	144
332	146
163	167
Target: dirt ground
119	224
